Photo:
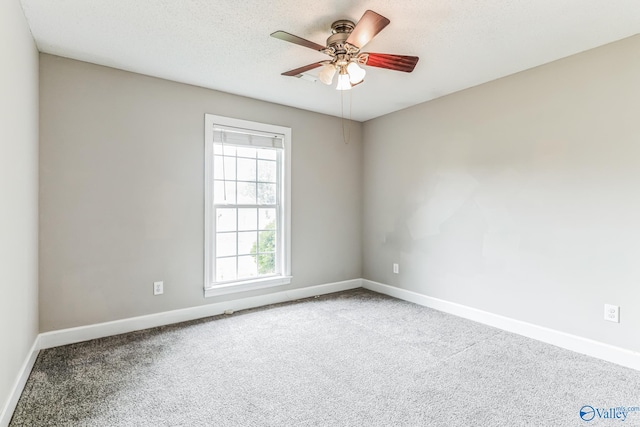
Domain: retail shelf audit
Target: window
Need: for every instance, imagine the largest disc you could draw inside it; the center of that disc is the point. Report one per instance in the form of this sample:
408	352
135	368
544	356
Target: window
247	205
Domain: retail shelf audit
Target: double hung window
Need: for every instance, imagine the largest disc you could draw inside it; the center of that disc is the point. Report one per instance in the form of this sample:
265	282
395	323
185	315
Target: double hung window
247	207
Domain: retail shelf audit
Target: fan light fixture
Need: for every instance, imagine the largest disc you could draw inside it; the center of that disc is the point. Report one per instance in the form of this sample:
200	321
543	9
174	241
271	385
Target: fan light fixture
348	76
356	74
326	74
343	80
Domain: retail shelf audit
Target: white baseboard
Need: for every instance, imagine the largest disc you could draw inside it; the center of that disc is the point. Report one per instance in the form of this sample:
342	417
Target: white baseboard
21	381
100	330
610	353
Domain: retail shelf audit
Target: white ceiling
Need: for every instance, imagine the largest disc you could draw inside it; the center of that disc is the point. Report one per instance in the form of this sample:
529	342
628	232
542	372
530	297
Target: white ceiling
225	44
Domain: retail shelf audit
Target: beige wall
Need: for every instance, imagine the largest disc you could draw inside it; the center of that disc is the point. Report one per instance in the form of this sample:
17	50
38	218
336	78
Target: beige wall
121	192
519	197
18	194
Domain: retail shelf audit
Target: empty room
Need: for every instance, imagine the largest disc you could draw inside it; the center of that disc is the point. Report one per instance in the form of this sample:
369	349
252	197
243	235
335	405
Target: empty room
289	213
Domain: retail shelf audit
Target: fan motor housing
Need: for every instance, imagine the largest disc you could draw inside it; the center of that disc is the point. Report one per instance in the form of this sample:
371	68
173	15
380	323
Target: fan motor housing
340	31
342	26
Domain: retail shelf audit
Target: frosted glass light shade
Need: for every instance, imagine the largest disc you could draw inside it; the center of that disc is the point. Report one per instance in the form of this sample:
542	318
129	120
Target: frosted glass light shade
343	82
356	74
326	74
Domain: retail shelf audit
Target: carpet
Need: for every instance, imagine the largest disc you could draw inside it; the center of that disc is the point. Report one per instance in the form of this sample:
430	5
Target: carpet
353	358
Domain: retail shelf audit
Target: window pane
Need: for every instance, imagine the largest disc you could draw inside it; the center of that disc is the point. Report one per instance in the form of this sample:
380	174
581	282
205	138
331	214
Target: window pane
247	242
225	269
266	264
267	154
219	195
229	169
225	219
225	244
246	193
246	152
267	219
248	219
266	171
229	150
246	169
247	267
266	194
267	241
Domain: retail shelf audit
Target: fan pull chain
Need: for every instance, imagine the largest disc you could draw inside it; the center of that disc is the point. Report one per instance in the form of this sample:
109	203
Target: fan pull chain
346	138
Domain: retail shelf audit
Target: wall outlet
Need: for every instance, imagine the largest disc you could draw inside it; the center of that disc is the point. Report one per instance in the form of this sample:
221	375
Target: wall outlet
396	268
612	313
158	288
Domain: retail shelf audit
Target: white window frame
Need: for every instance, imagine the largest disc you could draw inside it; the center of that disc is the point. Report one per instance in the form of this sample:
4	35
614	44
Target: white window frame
212	288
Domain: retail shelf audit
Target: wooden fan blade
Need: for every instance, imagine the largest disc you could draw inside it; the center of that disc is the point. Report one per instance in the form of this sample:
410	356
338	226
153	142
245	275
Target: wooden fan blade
298	71
283	35
367	27
391	62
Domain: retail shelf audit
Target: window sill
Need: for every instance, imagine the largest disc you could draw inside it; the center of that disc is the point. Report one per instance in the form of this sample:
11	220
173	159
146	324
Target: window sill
247	285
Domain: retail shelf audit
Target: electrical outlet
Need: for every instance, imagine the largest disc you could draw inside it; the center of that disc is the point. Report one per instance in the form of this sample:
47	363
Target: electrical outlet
612	313
396	268
158	288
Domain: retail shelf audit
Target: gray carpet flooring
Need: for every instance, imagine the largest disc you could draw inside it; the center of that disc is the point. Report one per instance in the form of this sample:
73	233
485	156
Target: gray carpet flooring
354	358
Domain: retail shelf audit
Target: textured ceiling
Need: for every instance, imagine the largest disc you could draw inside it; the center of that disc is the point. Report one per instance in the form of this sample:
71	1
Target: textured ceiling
225	44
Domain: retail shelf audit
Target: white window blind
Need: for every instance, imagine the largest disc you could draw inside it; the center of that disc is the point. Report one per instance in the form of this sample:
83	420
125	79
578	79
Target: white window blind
235	136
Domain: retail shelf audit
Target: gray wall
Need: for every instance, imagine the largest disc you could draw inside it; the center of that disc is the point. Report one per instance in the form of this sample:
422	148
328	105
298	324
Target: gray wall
18	194
518	197
121	192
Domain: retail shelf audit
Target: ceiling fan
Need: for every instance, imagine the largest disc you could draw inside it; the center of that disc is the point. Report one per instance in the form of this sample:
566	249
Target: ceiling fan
343	46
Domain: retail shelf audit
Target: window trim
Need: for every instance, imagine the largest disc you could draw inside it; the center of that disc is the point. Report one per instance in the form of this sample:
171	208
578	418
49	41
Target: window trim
210	288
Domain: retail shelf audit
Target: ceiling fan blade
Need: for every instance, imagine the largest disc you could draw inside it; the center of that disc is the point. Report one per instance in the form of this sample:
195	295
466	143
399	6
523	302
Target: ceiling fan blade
299	71
391	62
367	27
283	35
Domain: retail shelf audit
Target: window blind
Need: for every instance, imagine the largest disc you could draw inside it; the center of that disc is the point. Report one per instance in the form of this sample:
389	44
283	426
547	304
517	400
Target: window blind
232	136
